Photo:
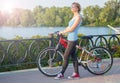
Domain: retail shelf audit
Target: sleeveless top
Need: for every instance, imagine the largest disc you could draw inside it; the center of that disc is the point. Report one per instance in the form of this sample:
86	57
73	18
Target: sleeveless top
73	36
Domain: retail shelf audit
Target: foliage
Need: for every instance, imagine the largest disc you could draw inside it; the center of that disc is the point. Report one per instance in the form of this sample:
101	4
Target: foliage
16	57
117	52
109	14
60	16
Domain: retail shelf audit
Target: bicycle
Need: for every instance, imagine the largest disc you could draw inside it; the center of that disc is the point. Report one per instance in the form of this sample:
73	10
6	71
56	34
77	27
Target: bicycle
97	61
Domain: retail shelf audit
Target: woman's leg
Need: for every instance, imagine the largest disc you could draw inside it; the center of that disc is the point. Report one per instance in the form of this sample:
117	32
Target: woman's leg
74	58
67	54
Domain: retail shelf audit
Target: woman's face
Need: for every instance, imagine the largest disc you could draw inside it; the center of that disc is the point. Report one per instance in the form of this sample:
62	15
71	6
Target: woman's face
74	8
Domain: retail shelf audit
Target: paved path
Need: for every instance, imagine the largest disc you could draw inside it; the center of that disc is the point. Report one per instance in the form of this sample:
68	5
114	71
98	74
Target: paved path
34	76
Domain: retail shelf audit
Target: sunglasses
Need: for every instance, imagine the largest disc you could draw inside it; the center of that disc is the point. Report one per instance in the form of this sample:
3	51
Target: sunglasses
73	6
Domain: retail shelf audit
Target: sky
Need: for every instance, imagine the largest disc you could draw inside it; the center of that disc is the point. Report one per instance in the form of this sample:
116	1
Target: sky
8	5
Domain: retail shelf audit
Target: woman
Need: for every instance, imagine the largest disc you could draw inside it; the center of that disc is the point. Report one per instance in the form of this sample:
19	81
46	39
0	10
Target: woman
72	38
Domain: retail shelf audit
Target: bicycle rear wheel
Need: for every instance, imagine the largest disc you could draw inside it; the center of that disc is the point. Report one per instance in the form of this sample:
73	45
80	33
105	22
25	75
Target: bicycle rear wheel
50	62
99	61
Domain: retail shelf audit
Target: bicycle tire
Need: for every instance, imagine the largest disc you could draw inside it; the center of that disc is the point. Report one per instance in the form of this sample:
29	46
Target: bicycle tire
50	61
101	62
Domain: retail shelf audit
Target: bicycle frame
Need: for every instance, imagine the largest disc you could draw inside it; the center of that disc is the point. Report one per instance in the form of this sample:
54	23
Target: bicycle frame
63	42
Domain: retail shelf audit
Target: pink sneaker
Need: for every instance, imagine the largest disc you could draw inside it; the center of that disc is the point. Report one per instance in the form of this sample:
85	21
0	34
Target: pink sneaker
74	76
59	76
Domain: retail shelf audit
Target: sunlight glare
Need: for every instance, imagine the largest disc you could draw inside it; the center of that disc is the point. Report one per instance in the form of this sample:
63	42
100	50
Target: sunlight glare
8	7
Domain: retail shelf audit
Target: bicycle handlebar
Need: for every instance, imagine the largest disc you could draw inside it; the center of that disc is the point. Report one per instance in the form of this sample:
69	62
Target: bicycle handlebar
57	34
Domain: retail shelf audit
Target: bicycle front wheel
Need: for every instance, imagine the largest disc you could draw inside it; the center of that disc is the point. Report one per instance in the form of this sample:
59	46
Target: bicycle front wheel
50	62
100	61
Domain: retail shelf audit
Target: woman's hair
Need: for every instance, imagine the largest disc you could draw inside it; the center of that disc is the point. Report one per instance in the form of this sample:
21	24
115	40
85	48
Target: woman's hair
77	5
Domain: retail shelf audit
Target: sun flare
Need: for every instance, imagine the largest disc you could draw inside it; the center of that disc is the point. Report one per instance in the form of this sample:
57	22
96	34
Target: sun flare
8	7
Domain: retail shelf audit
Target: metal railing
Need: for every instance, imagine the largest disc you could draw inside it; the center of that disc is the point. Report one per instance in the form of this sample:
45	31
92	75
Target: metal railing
15	52
108	41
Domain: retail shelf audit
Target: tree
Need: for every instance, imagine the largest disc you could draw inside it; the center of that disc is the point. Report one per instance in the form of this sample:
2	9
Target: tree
50	16
91	14
26	18
14	18
1	19
38	13
110	13
58	21
67	15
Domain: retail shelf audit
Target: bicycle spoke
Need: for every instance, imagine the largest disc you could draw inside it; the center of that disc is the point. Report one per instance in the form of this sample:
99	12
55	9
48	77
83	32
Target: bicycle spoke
100	61
50	62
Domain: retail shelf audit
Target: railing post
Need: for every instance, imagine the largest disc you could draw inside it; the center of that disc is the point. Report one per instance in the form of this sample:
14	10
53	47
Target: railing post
51	44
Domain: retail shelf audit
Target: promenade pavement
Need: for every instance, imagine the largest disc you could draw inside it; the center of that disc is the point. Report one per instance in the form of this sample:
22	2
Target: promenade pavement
35	76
